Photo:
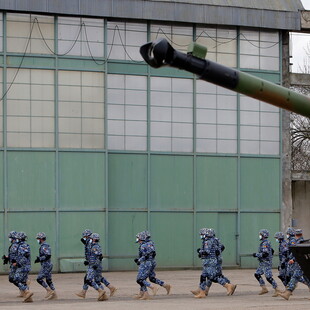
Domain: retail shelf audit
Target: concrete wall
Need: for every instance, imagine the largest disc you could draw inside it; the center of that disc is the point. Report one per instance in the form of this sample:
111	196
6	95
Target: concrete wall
301	205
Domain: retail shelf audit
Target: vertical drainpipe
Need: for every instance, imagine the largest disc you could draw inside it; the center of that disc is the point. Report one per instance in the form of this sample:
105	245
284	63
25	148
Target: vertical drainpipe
5	162
238	258
148	136
106	188
194	161
57	167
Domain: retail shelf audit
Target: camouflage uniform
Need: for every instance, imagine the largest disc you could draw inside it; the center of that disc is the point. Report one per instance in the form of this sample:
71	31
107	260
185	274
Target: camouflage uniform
87	245
44	259
146	262
283	255
22	262
264	256
212	264
296	273
94	266
12	253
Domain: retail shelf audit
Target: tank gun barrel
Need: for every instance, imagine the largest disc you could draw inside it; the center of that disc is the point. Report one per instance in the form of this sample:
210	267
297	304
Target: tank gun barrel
160	53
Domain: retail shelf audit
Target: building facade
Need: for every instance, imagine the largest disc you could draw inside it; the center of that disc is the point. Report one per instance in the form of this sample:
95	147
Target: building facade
91	137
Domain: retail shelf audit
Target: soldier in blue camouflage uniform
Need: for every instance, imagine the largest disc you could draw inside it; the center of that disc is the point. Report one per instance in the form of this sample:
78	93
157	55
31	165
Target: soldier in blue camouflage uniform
87	243
44	259
212	269
147	265
23	266
283	255
94	264
12	252
207	283
296	274
264	256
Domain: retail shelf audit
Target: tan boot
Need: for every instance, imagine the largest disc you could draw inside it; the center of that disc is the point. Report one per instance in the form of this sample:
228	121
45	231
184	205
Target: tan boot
138	296
145	296
48	292
112	290
51	296
27	296
230	288
21	294
195	292
154	289
167	287
201	294
276	292
81	294
286	294
263	291
102	295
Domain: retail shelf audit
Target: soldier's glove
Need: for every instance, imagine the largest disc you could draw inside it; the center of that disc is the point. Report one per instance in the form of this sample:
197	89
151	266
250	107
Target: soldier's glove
198	250
83	240
5	259
95	267
37	260
254	254
222	247
136	260
100	257
199	255
264	255
86	262
217	252
272	251
279	268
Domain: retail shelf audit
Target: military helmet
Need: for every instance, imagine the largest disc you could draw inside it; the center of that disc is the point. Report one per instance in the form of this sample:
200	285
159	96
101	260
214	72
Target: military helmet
298	232
41	235
21	236
12	234
147	234
279	235
210	232
86	233
264	233
290	231
202	231
142	235
95	236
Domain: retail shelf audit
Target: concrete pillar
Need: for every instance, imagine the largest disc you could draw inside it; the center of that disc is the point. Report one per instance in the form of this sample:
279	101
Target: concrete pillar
287	205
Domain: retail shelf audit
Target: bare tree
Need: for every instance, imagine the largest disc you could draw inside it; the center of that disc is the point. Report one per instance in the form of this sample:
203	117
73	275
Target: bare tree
300	137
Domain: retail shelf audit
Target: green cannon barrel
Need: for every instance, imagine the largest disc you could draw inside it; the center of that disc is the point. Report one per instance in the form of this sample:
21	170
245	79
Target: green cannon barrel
160	53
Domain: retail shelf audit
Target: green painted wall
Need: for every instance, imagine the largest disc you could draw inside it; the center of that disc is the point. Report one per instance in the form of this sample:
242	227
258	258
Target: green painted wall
118	195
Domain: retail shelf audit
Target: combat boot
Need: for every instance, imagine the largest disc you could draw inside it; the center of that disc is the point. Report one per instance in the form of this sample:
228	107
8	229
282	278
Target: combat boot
112	289
27	296
263	291
52	295
48	292
102	295
145	296
167	287
154	289
276	292
138	296
81	294
201	294
21	293
230	288
286	294
195	292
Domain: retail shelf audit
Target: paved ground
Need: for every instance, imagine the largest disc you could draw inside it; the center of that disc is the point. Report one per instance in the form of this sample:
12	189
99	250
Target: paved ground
245	297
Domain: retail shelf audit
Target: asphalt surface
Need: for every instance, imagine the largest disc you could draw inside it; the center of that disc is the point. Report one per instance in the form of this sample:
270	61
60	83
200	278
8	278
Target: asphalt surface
182	281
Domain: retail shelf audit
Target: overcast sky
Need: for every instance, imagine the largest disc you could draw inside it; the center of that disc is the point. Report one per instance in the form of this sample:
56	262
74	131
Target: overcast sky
299	42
